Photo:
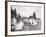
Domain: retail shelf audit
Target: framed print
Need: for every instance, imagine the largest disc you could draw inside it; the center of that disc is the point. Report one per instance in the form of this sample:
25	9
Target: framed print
24	18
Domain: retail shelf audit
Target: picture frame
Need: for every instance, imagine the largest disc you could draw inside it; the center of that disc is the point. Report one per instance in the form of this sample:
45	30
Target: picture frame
25	7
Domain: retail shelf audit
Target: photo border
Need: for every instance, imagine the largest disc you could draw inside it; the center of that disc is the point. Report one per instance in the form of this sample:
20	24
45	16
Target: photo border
7	20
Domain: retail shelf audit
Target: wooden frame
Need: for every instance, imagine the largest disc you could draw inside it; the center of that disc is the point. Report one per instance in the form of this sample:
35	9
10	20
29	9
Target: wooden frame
7	20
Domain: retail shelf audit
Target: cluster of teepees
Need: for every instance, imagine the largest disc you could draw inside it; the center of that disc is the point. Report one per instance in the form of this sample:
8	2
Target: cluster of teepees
19	21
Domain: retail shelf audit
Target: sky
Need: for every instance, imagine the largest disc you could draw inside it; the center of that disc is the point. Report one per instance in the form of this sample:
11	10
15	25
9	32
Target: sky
27	10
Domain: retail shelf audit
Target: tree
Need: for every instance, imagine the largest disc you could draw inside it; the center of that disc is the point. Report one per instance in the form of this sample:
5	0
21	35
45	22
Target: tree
14	12
11	12
34	15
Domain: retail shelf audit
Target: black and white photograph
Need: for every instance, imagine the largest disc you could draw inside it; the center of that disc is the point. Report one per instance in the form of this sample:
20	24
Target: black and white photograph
25	18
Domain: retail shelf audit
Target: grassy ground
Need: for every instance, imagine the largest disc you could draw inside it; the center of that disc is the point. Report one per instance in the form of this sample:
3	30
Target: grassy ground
31	27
